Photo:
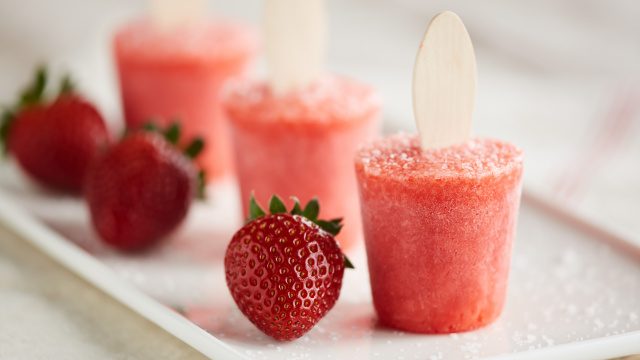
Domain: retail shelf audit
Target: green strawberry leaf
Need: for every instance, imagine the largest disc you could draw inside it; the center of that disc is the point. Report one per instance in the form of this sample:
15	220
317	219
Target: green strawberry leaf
33	93
172	133
194	148
347	263
202	182
66	86
5	125
296	210
311	210
276	206
255	211
333	226
150	126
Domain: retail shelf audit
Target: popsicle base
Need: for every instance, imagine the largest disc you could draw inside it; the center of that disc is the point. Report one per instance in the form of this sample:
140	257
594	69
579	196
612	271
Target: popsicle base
439	226
441	323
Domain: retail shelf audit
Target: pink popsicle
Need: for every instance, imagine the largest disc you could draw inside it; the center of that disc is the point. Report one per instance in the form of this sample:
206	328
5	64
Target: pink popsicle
302	144
179	73
438	227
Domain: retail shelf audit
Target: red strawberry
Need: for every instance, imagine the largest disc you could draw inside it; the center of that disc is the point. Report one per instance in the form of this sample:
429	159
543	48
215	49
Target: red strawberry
54	142
141	189
284	270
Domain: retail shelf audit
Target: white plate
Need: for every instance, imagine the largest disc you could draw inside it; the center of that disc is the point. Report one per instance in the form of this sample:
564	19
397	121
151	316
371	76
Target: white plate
574	290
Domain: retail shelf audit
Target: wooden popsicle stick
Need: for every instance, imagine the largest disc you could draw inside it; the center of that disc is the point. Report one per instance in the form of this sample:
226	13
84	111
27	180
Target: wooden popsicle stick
444	83
295	36
170	13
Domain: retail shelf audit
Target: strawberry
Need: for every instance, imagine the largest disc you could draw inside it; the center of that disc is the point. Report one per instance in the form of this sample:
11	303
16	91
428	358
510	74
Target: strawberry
141	189
54	141
284	270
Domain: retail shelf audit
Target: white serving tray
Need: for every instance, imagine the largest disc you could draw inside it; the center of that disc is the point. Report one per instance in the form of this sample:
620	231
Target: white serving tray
574	289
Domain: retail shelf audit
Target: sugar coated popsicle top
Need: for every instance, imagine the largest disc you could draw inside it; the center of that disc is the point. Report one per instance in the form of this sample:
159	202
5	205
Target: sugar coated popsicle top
199	42
331	99
400	157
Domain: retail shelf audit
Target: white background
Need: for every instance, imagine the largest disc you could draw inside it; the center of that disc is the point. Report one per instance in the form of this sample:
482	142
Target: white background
559	78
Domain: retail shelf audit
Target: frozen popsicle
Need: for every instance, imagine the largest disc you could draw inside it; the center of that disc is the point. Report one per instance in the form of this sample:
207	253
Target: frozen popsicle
438	227
177	71
439	210
296	134
303	144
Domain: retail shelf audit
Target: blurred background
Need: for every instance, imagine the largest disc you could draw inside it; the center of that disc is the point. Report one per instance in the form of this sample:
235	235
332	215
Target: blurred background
559	78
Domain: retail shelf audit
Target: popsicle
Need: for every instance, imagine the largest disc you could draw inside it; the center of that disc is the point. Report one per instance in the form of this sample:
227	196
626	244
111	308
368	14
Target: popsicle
176	69
439	212
296	134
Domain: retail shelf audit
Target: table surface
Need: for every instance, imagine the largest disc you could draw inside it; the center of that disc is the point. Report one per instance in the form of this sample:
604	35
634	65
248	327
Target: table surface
49	313
567	285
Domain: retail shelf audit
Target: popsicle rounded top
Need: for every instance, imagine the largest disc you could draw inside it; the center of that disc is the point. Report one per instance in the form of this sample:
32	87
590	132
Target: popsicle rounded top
439	209
444	83
401	158
330	100
195	43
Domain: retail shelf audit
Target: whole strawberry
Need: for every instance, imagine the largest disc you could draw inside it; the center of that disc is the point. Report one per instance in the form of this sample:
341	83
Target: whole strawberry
141	189
54	141
284	270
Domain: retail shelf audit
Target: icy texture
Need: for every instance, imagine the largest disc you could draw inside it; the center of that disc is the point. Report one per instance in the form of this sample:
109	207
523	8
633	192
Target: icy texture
200	42
400	157
438	227
331	99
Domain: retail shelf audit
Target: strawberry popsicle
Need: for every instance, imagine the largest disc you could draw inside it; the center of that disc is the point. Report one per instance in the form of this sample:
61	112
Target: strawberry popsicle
302	144
438	226
178	73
